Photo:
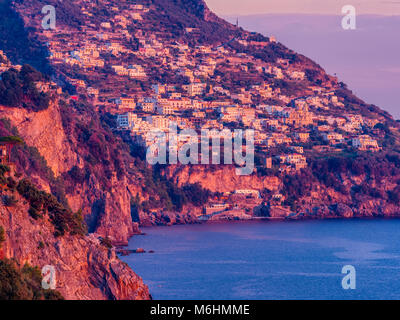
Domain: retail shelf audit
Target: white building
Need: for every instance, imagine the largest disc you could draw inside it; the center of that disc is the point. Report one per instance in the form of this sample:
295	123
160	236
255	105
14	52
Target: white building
126	120
248	192
365	142
333	137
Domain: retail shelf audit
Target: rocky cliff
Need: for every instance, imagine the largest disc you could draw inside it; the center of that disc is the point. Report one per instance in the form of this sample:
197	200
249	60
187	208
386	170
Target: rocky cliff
220	178
44	130
333	186
107	208
85	268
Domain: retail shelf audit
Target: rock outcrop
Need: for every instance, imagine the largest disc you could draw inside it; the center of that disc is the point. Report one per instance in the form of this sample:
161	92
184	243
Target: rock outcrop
85	269
107	212
44	130
220	179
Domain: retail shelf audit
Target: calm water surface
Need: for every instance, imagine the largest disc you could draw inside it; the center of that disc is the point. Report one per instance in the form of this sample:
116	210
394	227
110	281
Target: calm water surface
270	260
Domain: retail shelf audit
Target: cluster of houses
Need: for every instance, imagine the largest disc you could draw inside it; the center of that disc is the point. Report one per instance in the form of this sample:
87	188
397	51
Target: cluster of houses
273	125
118	76
203	101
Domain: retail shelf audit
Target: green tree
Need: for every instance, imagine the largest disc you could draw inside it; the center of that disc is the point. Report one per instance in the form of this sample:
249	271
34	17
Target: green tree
2	236
23	283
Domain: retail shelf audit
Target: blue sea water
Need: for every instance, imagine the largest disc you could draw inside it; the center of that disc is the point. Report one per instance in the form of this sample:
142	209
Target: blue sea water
270	260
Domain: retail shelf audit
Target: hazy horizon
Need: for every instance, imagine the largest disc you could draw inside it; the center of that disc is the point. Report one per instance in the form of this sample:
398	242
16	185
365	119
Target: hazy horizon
369	67
238	7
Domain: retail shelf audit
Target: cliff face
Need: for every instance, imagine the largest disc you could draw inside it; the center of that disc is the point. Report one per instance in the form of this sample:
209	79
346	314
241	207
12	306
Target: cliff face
110	211
44	131
107	211
317	192
84	268
57	151
220	179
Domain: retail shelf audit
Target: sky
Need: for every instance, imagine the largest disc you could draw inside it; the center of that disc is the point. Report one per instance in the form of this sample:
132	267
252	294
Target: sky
230	7
366	59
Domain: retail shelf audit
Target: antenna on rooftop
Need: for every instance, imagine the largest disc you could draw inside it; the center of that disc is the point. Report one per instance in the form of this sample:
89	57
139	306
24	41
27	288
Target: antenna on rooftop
237	22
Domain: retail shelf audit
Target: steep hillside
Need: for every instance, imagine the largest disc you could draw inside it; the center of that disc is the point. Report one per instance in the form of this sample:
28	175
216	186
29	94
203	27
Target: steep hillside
86	152
40	229
71	152
76	151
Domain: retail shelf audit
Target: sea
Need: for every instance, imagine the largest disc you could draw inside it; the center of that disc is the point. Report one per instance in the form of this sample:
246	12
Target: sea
271	260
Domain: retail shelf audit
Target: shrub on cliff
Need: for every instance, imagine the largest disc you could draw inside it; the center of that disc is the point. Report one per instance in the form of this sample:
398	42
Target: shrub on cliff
17	89
77	175
23	283
12	139
28	159
2	236
394	195
297	186
41	203
366	189
4	169
196	194
106	242
9	201
168	195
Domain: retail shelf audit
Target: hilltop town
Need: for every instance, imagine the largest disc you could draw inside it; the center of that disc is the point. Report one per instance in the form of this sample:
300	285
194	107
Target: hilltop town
100	56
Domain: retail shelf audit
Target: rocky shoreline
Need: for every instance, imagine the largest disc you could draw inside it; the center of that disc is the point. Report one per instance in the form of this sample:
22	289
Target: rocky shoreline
342	213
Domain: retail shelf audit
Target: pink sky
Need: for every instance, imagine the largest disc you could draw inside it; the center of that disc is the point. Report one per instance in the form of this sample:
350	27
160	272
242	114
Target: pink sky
240	7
